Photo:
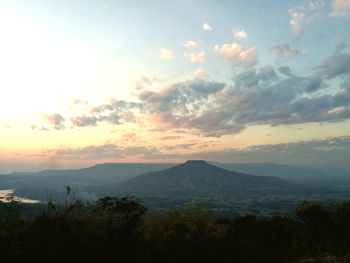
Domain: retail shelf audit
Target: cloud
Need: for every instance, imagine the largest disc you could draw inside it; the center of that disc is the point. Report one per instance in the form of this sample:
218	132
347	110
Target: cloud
267	97
182	146
83	121
259	95
207	27
316	4
248	54
296	21
235	53
175	97
341	8
326	152
240	34
116	105
171	137
129	136
100	152
42	128
166	54
5	126
199	73
148	82
76	101
337	65
285	51
182	105
195	57
285	70
190	44
56	120
116	112
229	51
339	111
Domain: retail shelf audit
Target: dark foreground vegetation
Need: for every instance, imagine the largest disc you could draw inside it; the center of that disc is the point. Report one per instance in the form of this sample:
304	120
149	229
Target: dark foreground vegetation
116	229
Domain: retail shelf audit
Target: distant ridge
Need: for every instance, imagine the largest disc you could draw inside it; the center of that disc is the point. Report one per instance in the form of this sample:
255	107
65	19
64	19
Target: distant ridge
104	179
197	177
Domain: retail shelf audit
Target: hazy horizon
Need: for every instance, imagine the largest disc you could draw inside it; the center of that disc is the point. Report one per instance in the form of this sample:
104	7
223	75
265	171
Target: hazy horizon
90	82
8	168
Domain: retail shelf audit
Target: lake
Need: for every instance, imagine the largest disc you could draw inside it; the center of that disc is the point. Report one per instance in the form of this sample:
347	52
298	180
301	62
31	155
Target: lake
6	196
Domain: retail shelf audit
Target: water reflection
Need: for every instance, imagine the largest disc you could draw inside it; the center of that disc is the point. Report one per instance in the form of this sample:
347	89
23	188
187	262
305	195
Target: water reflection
7	196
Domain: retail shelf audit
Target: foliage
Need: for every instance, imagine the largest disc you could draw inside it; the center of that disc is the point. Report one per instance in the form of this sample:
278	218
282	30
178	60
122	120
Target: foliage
121	228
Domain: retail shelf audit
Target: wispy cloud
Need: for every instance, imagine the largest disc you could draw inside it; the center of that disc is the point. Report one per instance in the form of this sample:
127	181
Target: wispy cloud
296	23
195	57
5	126
100	152
191	44
285	51
325	152
83	121
181	146
55	120
166	54
207	27
129	136
240	34
341	8
116	112
236	53
76	101
199	73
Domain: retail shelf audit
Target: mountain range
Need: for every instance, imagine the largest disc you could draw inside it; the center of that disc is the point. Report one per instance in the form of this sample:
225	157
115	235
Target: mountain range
107	178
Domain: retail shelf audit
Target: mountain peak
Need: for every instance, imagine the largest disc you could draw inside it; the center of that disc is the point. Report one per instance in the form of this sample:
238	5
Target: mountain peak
197	177
196	162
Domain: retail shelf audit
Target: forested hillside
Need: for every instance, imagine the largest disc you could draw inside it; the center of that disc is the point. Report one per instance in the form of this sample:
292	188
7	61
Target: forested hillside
122	229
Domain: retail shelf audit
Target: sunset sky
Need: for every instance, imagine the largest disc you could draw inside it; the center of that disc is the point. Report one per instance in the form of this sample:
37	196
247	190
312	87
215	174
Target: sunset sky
92	81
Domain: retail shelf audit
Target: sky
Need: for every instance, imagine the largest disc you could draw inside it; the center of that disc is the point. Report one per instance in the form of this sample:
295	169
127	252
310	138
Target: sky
94	81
